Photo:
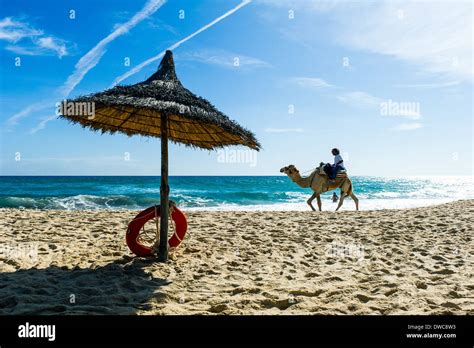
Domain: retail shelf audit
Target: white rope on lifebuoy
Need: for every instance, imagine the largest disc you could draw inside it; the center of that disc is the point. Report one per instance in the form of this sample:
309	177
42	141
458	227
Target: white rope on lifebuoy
172	225
144	241
157	235
172	207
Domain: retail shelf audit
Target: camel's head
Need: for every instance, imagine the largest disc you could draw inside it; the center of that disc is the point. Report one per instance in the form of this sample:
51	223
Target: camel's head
290	170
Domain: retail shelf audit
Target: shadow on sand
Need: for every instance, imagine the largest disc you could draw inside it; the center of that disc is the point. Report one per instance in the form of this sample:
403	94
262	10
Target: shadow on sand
120	287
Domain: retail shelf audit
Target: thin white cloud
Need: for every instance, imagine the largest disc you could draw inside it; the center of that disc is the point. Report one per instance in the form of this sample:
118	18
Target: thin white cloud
284	130
53	44
311	5
386	107
86	63
89	159
25	40
177	44
311	82
42	124
43	46
435	35
12	30
429	85
407	126
363	100
22	50
360	99
225	59
154	23
13	120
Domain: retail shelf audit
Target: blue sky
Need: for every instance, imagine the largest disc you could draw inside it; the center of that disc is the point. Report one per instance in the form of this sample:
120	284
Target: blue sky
388	82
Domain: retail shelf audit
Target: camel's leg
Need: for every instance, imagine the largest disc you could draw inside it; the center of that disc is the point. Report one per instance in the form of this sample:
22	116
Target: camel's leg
318	197
310	200
343	195
356	200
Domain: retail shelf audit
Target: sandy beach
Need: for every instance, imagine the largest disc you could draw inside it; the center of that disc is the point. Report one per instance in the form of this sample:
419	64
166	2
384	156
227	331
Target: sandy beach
413	261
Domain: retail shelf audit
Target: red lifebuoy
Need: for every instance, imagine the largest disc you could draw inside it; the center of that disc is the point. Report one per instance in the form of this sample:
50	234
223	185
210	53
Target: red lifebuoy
134	227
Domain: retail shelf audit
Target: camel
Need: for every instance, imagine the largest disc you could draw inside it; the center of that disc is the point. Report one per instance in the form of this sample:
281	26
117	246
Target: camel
319	182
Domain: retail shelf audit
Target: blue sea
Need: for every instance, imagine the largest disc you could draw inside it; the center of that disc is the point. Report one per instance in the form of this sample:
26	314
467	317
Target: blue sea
221	192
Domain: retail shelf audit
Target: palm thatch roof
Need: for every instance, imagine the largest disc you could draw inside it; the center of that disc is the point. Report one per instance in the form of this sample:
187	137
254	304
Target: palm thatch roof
137	109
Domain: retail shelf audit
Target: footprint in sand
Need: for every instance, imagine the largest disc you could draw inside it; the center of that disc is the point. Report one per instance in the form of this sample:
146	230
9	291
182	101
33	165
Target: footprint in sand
390	292
218	308
280	304
421	285
364	298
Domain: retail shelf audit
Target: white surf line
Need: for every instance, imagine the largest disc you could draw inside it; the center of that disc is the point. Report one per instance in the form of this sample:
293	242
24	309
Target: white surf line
177	44
87	62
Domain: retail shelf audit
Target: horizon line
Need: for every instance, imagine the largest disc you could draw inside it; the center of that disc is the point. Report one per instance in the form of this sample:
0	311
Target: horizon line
216	175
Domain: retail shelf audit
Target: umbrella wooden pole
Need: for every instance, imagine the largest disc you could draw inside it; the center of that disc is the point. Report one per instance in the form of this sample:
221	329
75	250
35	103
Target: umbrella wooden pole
164	191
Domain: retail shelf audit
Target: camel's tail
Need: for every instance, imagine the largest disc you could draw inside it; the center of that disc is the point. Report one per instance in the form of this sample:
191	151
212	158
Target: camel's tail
349	191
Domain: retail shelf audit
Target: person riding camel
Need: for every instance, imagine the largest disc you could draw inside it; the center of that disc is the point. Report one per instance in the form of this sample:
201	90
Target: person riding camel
338	163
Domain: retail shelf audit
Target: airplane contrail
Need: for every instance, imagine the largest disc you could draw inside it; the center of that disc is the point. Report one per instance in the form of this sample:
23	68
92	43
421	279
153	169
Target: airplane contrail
89	61
177	44
136	69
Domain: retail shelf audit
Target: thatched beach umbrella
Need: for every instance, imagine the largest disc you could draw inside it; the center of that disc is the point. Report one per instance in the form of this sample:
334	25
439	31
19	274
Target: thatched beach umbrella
159	107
